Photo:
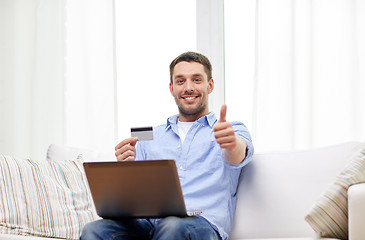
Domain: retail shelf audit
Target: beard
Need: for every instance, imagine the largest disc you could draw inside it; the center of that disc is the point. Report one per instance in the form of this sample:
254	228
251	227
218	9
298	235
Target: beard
191	110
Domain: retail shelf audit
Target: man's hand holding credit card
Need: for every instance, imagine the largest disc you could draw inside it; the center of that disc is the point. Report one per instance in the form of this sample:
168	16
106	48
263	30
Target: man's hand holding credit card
126	149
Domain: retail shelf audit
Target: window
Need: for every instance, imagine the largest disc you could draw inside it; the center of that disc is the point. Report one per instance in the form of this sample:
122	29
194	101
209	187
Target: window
239	31
149	35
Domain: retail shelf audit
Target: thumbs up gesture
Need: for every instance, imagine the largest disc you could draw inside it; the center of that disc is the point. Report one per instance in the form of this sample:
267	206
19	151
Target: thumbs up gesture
224	132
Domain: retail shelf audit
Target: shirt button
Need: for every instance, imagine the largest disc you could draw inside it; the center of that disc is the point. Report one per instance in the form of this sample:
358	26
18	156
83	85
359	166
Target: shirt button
178	146
181	167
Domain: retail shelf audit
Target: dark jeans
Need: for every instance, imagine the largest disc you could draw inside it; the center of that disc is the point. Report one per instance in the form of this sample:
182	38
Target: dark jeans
167	228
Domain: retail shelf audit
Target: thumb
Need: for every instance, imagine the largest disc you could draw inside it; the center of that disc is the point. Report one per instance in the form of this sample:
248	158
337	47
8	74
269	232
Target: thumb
223	113
134	141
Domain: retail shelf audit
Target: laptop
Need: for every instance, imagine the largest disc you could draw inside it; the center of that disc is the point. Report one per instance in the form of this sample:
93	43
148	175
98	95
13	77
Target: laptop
136	189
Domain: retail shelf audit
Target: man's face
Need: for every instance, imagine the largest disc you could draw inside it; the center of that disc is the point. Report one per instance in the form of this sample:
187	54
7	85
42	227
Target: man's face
190	88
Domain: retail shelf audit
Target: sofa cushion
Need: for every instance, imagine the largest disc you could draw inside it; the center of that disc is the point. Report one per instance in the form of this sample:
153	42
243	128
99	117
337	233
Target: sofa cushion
44	198
329	215
58	152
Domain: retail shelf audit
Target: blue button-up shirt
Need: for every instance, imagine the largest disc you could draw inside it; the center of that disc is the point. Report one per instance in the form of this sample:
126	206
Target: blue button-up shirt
208	182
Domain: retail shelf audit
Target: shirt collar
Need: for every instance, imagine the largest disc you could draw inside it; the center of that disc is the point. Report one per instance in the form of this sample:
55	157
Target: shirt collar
209	119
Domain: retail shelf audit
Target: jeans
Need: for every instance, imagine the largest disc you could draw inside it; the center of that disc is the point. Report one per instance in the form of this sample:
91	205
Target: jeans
167	228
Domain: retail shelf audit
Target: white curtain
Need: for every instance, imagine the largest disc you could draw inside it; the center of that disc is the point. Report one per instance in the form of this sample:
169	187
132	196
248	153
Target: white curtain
90	85
294	72
56	75
31	76
300	69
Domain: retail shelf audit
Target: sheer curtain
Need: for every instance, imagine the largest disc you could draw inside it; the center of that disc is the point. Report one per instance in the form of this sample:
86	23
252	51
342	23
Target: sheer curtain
90	102
56	75
117	75
299	67
32	86
293	69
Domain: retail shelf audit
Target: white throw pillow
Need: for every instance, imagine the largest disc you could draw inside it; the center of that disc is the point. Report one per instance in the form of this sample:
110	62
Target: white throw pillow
57	152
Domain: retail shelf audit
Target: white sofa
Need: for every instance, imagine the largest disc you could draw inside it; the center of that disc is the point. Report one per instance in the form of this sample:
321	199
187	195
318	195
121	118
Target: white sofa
277	190
275	193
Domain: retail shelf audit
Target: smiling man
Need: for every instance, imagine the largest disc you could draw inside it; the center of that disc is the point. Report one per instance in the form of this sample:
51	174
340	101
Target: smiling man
209	155
190	86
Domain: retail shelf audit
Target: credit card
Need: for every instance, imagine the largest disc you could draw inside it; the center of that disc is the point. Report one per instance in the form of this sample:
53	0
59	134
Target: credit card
143	133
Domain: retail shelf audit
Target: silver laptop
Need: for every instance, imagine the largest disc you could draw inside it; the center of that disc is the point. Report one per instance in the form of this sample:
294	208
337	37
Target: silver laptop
136	189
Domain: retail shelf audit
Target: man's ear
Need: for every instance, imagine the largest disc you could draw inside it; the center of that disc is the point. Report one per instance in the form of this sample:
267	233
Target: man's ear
171	89
210	85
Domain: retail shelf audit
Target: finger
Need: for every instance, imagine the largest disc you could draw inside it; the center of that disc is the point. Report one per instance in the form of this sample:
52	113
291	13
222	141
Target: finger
228	146
222	126
132	141
121	159
227	142
124	148
126	156
224	132
223	113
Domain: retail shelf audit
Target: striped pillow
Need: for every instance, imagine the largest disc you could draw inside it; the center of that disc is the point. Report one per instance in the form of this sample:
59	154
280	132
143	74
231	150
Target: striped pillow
329	215
46	199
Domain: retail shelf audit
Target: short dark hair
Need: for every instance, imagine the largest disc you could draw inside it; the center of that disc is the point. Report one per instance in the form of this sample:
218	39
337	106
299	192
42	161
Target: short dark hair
192	57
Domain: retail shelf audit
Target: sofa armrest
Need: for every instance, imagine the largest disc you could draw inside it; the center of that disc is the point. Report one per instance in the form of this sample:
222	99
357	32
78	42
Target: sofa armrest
356	200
